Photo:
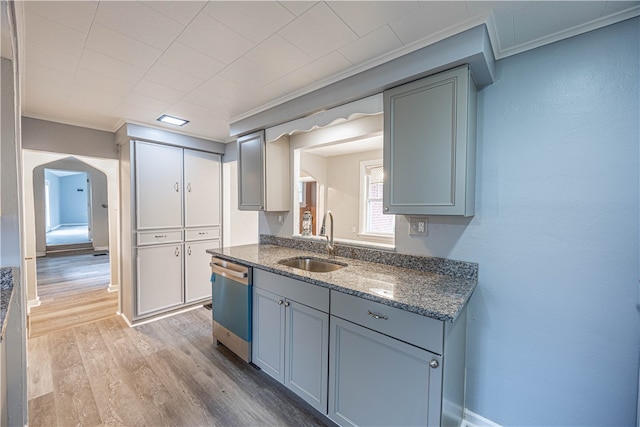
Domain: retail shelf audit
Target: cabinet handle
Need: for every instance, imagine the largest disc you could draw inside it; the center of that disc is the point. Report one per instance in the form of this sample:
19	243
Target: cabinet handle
202	233
189	187
280	302
287	303
177	187
189	251
177	251
434	363
160	236
376	316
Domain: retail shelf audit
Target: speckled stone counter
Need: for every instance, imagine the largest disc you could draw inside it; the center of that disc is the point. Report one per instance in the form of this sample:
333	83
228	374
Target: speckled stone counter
416	289
6	289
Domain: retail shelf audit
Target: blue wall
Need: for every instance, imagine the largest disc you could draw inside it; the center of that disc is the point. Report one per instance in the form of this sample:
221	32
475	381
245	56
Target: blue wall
554	331
73	203
67	205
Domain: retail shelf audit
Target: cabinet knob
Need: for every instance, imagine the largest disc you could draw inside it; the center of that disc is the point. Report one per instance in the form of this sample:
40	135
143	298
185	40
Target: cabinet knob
386	208
434	363
280	302
287	304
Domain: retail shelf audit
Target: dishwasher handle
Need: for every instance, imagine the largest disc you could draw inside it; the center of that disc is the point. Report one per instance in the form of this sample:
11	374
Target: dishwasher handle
234	273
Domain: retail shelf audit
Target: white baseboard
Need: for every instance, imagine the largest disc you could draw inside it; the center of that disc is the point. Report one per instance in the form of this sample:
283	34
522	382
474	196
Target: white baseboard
125	319
33	302
113	288
101	248
471	419
162	316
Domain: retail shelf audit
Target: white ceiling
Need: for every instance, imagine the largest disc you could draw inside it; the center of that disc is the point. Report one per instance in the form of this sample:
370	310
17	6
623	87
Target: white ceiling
99	64
62	173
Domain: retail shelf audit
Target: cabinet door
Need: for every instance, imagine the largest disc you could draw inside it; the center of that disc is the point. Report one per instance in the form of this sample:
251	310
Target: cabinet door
197	285
159	278
428	150
268	333
372	373
251	172
307	353
158	186
202	176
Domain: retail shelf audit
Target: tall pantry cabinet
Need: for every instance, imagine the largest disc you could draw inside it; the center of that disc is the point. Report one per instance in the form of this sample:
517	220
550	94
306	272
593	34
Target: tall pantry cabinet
172	199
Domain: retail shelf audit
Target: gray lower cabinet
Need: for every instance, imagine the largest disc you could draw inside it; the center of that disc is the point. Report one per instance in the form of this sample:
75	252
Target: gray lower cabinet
290	338
388	366
268	333
380	381
159	278
197	273
357	361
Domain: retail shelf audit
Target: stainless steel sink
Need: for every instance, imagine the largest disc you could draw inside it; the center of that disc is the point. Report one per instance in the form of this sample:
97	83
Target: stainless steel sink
315	265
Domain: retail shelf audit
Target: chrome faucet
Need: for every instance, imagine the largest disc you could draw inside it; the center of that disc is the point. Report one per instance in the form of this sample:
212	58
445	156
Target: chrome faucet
331	249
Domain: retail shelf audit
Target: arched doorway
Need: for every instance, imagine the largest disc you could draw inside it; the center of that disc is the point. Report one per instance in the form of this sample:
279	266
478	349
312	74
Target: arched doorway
71	208
110	168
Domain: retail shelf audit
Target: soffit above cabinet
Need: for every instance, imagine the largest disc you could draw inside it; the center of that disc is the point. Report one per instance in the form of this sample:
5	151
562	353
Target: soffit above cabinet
470	47
363	107
130	131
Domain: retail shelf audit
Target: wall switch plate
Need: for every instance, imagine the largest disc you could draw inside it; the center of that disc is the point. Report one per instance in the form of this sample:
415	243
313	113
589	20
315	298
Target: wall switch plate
418	226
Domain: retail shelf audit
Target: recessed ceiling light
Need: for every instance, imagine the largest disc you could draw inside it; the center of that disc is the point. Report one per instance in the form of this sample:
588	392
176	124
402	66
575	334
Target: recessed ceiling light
172	120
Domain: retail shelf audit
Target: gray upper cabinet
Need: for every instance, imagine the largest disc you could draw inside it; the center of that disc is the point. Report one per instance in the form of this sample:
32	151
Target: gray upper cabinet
202	189
429	145
263	173
251	172
158	186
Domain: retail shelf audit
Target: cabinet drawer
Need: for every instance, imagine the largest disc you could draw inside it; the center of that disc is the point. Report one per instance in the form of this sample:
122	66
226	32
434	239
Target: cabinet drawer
160	236
202	234
296	290
420	331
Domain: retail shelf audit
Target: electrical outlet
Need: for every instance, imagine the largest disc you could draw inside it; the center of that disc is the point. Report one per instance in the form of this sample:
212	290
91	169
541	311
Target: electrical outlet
418	226
280	219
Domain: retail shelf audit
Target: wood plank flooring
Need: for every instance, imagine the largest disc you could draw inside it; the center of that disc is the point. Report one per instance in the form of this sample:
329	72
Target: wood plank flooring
168	372
72	291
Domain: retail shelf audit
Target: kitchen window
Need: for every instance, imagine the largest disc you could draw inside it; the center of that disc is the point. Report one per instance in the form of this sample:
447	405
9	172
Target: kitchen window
373	222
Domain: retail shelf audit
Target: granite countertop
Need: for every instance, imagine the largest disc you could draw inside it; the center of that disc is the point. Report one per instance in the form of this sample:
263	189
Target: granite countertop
438	296
6	289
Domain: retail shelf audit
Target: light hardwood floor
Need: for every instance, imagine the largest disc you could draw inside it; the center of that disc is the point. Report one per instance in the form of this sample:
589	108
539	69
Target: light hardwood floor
87	367
72	291
168	372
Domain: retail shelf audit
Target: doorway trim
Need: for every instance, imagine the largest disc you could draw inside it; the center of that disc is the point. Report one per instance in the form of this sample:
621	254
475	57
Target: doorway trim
110	167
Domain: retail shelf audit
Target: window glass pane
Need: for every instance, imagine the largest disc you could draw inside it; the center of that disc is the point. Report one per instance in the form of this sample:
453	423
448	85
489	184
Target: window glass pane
377	222
375	191
376	174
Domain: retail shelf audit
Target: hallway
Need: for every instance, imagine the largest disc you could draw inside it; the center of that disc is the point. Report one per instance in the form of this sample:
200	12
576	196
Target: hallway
68	234
72	291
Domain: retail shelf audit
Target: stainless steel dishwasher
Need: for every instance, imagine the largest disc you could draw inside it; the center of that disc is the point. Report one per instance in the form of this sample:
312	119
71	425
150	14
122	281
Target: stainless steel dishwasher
232	304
